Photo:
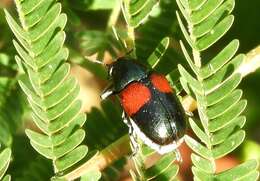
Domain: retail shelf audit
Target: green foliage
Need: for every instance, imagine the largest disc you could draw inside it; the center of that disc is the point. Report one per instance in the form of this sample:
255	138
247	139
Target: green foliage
5	157
155	57
113	172
24	168
51	91
136	12
110	125
11	108
111	128
35	171
92	4
91	175
163	169
213	85
92	41
6	65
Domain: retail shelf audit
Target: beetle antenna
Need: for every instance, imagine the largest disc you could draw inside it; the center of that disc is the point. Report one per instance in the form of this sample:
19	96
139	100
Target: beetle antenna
96	61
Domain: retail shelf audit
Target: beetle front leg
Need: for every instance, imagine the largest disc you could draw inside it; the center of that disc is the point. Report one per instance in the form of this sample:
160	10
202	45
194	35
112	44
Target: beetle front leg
108	91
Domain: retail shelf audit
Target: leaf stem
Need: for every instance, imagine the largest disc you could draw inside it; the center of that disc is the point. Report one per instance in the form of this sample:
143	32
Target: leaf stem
201	98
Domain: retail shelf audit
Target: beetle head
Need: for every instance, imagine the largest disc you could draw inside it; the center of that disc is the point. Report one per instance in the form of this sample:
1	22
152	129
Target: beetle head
124	71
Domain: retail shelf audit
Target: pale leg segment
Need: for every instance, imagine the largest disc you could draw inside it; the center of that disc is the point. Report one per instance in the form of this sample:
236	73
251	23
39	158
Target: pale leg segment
132	135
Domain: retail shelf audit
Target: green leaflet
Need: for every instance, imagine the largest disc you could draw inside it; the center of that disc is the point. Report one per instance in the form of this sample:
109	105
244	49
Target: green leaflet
213	85
91	175
163	169
217	109
215	34
198	147
7	178
155	57
202	163
196	4
205	11
5	157
161	166
219	60
199	132
245	171
71	158
136	12
206	26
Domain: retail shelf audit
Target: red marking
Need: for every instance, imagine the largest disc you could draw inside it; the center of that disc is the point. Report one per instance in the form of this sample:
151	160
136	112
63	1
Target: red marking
134	96
160	83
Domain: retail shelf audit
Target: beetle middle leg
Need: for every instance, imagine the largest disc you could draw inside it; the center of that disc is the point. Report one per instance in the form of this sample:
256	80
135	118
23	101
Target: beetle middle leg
133	137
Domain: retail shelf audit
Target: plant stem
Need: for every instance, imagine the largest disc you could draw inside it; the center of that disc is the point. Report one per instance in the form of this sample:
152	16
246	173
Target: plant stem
251	62
104	158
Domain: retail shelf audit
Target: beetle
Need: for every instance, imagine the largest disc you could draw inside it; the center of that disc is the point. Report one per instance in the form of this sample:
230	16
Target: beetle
151	109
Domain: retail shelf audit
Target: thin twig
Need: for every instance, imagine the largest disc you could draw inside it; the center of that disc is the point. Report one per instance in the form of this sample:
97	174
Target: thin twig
251	63
104	158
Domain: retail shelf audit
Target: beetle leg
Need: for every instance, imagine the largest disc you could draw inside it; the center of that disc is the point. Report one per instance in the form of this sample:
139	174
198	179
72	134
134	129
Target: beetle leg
128	123
189	113
132	135
108	91
125	120
178	155
134	145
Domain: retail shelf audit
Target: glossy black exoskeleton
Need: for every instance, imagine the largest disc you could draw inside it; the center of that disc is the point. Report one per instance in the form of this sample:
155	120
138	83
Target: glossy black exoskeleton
152	110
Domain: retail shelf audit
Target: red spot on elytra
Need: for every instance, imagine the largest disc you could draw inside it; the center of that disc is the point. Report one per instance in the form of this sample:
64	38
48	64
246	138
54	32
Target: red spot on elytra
161	83
134	96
